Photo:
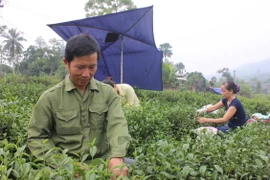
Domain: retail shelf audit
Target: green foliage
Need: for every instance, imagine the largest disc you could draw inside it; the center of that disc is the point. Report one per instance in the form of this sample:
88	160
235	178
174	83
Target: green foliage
61	72
168	74
5	69
258	104
101	7
17	164
226	74
42	59
245	90
195	82
232	156
163	144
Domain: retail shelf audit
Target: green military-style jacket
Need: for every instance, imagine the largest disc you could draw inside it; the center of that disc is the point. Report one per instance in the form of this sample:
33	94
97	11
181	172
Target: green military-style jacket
71	120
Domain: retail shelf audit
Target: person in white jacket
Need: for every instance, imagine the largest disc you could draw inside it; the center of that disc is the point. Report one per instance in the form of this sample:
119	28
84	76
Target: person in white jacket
126	92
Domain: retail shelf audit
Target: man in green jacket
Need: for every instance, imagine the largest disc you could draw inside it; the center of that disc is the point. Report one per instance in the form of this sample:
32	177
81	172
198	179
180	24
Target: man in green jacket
80	109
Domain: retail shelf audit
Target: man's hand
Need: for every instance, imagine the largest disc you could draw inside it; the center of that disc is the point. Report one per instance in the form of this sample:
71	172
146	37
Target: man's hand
79	169
118	168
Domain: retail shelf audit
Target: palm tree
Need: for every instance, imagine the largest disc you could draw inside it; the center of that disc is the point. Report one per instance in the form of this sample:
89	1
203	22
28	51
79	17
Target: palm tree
2	59
181	67
3	28
167	52
13	46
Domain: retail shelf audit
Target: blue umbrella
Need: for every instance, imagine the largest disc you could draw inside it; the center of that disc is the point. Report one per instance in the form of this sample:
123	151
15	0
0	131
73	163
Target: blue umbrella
128	50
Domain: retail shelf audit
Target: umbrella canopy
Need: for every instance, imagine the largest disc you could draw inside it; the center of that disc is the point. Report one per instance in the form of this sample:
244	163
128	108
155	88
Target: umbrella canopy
128	49
216	90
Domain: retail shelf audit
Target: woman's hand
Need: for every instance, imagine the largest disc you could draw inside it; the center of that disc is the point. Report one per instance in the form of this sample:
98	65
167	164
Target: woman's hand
202	120
202	110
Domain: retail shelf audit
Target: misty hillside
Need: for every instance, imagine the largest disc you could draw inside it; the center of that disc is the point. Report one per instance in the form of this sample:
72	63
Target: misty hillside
260	70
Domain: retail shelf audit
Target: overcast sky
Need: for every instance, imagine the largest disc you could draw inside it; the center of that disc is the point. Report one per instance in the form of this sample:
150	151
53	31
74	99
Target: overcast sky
206	35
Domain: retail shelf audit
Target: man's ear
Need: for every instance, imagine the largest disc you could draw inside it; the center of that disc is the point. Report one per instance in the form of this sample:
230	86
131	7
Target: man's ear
66	63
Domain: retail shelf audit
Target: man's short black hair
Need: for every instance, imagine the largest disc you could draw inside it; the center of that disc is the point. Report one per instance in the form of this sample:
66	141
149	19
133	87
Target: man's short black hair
81	45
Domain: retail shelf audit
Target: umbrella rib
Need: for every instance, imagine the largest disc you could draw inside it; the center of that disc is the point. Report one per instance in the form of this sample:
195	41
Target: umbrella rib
124	34
121	34
90	27
135	24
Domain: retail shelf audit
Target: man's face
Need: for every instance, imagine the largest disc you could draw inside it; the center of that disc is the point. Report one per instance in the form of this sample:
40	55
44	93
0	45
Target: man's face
82	69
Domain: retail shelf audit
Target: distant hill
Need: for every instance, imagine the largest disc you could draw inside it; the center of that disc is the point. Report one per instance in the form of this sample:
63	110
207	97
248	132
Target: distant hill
260	70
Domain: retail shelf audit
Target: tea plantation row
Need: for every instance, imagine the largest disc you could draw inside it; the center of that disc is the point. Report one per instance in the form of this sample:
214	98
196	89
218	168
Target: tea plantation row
163	144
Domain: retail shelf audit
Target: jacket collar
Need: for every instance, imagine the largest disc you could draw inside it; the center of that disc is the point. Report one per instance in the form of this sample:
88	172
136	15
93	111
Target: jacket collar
91	86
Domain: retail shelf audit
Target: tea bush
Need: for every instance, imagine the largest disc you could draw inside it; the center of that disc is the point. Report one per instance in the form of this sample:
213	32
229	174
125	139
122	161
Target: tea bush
163	144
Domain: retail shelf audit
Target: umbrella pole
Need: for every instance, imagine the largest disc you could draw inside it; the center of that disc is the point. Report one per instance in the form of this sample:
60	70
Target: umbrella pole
121	62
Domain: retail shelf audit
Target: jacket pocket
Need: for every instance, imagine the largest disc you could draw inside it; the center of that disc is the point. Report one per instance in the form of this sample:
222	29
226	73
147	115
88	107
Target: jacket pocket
67	122
98	115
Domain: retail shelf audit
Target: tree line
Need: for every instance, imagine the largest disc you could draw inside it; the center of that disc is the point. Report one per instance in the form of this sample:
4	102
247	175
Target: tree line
45	59
42	58
175	76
